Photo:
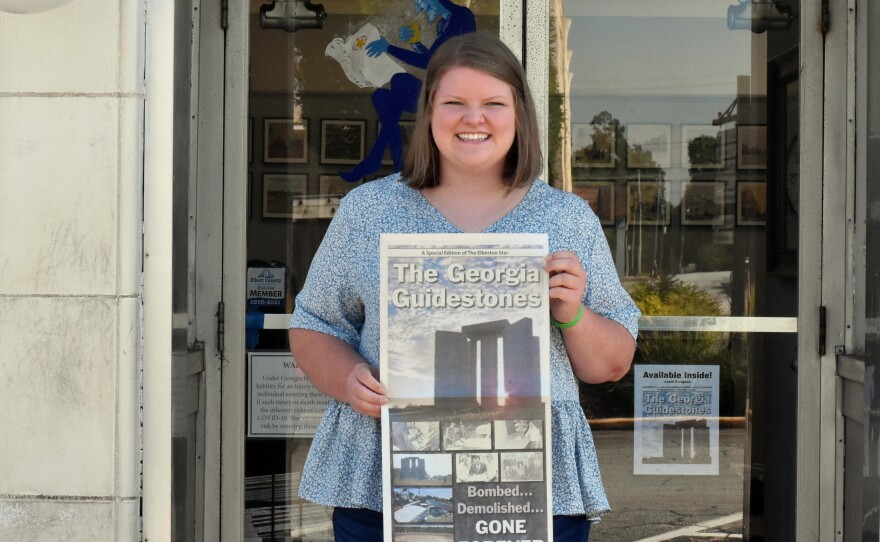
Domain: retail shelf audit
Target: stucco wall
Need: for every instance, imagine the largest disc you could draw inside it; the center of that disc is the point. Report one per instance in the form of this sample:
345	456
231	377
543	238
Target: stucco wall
71	140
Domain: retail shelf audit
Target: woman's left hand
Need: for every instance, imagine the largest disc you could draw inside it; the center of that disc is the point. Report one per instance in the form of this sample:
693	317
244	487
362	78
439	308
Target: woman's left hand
568	280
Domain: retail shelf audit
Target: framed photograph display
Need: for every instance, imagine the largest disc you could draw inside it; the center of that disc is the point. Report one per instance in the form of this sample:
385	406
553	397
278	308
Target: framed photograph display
342	141
648	146
703	204
751	147
285	141
250	140
751	204
406	131
600	196
334	185
592	146
702	147
646	203
282	194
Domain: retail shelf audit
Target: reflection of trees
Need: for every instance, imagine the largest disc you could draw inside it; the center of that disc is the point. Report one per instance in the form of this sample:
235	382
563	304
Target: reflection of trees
601	148
636	154
704	150
668	296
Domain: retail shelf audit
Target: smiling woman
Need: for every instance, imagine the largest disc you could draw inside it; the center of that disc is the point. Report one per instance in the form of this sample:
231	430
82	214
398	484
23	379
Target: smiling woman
473	125
472	167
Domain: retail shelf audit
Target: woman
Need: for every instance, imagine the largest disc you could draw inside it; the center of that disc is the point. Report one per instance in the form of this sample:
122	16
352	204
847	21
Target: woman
471	167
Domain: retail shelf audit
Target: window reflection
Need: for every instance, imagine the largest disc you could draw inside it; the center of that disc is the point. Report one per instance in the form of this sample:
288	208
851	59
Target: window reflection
680	130
333	88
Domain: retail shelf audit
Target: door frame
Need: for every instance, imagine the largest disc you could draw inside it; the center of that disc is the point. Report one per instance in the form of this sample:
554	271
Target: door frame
232	390
825	141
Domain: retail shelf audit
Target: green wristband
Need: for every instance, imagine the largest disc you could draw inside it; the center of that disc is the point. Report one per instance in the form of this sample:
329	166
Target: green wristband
567	325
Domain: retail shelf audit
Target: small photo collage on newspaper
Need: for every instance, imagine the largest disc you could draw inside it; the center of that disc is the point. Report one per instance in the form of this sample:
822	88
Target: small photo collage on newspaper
463	467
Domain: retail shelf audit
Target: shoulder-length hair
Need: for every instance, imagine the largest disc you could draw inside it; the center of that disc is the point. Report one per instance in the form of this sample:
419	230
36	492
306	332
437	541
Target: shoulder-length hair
486	53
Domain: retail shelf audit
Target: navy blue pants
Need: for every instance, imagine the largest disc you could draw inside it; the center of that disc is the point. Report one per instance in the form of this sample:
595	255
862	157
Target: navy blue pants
363	525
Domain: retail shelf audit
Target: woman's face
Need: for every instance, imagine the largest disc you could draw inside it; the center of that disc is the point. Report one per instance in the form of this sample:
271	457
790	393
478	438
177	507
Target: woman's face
473	122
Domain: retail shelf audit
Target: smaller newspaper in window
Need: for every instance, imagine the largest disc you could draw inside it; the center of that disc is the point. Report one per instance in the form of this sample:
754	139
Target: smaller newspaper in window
465	360
676	423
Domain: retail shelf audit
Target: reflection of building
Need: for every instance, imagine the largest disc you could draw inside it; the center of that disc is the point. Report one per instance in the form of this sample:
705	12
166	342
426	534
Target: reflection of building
686	441
486	361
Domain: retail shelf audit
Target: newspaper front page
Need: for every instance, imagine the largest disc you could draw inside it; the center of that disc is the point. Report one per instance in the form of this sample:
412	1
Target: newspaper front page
676	424
465	360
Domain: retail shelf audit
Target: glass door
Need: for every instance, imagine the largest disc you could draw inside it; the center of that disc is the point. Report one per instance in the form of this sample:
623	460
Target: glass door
679	123
332	94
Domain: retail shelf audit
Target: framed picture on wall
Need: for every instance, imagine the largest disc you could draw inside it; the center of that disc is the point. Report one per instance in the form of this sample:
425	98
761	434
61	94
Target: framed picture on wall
648	146
342	141
702	147
334	185
592	146
751	147
702	204
331	188
282	194
285	141
751	204
406	130
647	203
600	196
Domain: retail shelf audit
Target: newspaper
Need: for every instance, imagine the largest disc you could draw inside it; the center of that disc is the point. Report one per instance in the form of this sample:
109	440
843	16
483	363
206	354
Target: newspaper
465	360
676	425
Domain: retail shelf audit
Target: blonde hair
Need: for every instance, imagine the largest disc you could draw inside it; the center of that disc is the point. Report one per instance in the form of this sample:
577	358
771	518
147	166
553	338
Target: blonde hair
486	53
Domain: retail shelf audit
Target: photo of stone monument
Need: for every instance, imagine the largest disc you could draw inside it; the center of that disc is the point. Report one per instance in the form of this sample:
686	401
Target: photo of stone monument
422	469
487	364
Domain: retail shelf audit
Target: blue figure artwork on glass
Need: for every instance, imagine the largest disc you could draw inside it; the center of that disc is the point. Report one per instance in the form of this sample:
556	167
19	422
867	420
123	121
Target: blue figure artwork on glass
402	93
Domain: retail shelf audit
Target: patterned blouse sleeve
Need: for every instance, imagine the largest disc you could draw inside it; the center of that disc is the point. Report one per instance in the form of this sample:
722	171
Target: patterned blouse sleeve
605	295
328	301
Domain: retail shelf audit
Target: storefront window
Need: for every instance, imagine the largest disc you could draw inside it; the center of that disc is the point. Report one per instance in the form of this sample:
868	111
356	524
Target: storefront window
866	523
325	116
678	122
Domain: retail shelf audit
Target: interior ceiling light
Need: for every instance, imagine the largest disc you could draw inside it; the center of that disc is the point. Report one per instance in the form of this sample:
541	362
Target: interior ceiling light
292	15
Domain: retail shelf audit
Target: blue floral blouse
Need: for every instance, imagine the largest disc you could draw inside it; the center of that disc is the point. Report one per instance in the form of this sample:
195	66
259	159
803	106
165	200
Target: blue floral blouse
341	298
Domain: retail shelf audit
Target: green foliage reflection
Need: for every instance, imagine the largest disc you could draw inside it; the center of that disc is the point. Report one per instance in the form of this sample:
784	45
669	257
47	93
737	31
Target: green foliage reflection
668	296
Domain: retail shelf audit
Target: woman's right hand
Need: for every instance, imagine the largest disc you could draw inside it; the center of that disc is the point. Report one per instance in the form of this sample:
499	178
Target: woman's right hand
336	370
366	394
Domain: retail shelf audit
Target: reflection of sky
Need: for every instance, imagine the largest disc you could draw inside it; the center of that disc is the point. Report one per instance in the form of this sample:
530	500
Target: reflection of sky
435	464
656	55
411	348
